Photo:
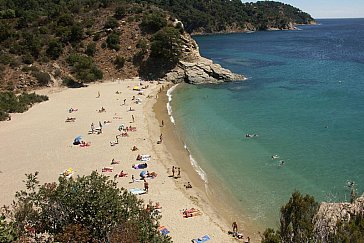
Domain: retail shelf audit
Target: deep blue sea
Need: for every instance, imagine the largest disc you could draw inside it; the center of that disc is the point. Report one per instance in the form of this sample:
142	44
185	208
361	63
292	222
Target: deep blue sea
304	98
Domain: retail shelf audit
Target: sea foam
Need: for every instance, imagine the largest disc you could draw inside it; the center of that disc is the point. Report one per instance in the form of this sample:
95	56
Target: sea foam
197	168
169	107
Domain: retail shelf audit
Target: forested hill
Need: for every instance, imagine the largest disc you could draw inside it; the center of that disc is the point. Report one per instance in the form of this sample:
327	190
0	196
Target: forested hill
50	42
209	16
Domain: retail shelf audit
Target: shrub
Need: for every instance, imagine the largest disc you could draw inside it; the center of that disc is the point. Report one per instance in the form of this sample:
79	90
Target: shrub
296	221
120	12
84	68
111	23
86	209
76	33
42	77
119	62
71	83
153	22
10	103
55	49
97	37
166	44
91	49
113	41
27	58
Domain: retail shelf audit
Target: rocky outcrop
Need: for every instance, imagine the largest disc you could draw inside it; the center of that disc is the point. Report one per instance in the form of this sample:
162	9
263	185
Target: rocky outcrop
329	214
200	71
194	69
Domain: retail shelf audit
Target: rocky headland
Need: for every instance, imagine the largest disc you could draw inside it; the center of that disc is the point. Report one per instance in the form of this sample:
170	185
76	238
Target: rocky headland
330	214
192	68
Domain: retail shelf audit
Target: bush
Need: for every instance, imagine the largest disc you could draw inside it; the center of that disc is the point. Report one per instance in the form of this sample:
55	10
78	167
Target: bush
166	44
71	83
27	58
119	62
10	103
91	49
111	23
86	209
154	22
97	37
55	49
113	41
120	12
296	221
84	68
42	78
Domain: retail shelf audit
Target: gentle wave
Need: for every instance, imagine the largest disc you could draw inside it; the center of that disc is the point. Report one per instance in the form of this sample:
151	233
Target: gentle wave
169	107
197	168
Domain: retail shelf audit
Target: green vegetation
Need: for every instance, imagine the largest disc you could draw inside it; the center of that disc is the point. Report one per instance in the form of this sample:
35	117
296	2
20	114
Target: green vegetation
216	15
86	209
119	62
297	224
37	32
154	21
84	68
10	103
166	44
113	41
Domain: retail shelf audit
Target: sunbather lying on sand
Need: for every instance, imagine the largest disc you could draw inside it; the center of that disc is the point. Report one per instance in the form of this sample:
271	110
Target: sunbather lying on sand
107	169
191	212
122	174
113	162
85	144
70	119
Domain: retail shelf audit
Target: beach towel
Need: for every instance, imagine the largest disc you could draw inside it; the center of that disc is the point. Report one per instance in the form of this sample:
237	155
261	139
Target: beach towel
163	230
137	191
140	166
201	239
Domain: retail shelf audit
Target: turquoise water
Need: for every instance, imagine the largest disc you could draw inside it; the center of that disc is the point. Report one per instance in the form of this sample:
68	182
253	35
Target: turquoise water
304	98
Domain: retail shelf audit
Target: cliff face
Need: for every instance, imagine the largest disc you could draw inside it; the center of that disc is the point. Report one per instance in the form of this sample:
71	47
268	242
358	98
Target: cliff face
329	214
194	69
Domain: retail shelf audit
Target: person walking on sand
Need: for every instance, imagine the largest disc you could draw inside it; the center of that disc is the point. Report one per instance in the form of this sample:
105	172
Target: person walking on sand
132	117
172	171
162	123
235	228
98	94
146	185
124	101
179	172
92	127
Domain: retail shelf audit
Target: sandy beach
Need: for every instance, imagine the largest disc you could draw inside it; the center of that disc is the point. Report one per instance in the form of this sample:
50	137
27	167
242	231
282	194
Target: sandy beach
41	140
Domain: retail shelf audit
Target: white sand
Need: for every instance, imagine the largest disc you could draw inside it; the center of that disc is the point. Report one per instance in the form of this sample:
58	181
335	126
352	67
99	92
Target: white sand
41	140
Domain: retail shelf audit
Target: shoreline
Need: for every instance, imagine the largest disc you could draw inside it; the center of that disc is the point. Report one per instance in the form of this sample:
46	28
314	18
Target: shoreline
45	142
210	195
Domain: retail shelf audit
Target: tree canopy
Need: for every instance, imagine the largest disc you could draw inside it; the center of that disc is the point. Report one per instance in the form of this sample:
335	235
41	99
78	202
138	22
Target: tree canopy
86	209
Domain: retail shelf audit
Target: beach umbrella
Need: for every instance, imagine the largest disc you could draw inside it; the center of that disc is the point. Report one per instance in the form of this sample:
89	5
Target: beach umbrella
78	138
136	88
143	174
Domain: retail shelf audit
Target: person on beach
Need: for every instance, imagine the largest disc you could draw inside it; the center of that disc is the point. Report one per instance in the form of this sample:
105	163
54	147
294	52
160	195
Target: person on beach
161	137
173	171
179	172
235	228
124	101
92	127
132	179
132	117
162	123
98	94
188	185
146	185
